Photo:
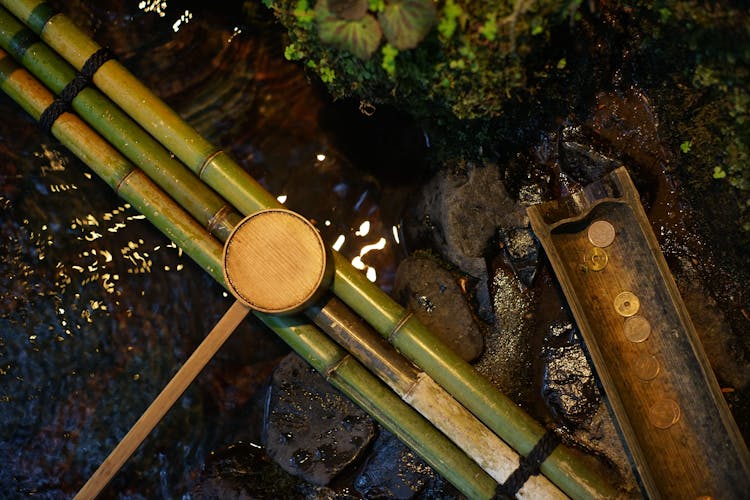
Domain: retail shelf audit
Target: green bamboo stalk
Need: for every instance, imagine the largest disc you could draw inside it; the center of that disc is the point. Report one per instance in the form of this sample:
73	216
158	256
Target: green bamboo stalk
216	168
119	129
339	367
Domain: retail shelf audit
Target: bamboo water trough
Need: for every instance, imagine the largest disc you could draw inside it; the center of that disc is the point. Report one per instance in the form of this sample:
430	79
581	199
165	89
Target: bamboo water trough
644	346
229	181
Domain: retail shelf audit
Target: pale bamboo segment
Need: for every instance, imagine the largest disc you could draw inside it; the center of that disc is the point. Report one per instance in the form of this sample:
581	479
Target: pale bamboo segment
336	365
354	380
421	392
492	454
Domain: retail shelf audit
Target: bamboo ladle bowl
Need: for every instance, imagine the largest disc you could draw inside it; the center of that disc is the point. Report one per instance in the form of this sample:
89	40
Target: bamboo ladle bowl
275	262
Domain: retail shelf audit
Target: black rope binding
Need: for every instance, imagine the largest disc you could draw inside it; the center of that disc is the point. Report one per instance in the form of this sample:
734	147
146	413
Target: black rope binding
71	90
528	466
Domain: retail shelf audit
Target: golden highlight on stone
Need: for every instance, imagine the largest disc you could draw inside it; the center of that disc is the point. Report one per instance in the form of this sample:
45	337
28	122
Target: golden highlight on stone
664	413
597	259
637	328
646	367
627	304
601	233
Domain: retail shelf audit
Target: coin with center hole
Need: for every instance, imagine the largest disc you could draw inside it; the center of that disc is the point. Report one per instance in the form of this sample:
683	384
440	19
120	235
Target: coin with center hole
664	413
626	304
601	233
637	328
597	259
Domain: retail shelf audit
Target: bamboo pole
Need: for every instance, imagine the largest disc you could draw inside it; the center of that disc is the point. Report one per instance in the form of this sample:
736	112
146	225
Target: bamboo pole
119	129
411	338
423	394
343	371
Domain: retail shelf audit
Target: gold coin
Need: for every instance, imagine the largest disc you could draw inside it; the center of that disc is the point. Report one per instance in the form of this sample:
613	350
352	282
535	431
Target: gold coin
664	413
646	367
637	328
601	233
627	304
597	259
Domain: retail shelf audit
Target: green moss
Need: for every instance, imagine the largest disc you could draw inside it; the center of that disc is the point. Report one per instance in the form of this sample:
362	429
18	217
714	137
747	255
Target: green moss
389	59
450	15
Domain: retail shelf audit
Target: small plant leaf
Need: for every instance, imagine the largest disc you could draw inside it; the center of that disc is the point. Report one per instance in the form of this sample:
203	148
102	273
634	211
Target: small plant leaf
348	9
360	37
406	22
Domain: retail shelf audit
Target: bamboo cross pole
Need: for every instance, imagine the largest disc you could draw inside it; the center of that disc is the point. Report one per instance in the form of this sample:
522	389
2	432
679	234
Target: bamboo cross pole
339	368
564	467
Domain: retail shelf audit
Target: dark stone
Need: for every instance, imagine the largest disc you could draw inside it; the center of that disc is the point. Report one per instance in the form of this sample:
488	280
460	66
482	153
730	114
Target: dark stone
244	471
568	386
458	213
395	472
522	250
433	295
311	429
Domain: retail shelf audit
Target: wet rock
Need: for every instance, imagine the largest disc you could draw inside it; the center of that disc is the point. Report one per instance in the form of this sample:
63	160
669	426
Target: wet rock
310	429
522	251
433	295
244	471
458	213
581	161
723	348
568	385
509	347
394	471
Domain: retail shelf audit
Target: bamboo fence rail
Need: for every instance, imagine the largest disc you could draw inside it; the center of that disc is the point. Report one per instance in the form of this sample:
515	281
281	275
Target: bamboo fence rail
339	368
408	335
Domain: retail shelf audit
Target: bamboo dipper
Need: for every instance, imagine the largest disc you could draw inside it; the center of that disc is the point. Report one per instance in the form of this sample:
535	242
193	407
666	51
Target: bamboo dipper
274	262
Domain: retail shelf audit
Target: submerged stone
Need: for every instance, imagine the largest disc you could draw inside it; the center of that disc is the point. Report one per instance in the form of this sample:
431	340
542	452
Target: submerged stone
433	295
568	385
394	471
243	470
310	429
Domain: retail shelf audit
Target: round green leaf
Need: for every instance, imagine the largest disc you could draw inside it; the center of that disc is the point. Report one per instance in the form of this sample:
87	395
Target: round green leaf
360	37
406	22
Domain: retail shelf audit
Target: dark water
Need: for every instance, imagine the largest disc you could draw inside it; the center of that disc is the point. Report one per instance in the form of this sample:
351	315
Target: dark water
98	309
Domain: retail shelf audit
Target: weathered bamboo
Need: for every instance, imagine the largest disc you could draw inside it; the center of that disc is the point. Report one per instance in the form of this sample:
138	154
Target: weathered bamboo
340	369
423	394
649	358
412	339
119	129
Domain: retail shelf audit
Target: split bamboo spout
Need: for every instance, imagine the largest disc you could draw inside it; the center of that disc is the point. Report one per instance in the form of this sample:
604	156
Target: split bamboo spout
232	183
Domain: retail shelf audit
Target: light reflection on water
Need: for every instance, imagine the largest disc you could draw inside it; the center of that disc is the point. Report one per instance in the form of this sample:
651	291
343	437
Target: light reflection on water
97	309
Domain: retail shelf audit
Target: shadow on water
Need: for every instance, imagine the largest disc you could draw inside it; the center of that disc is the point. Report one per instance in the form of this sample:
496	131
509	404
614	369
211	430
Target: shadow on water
98	309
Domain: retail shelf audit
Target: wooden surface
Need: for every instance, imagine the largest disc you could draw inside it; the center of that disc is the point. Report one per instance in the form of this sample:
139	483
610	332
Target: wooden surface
646	352
275	262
